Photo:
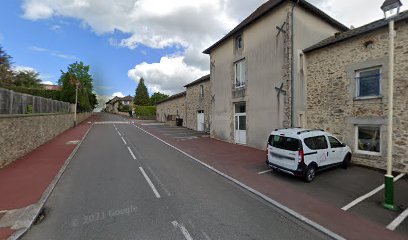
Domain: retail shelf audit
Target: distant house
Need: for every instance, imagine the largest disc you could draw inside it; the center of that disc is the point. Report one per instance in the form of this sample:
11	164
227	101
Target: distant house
198	104
114	104
51	87
256	85
171	108
347	90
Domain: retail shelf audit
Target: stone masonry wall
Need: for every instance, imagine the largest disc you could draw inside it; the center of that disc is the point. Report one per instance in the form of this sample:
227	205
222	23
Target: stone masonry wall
170	108
195	102
331	92
20	134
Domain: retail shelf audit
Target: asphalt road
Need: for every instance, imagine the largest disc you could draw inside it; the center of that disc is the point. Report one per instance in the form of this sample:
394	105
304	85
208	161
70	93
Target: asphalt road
153	192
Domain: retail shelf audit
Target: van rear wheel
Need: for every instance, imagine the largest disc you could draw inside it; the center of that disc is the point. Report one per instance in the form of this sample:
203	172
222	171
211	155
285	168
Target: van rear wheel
310	173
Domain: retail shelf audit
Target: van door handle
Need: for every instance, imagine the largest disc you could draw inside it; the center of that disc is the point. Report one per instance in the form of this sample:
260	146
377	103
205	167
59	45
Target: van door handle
327	153
333	150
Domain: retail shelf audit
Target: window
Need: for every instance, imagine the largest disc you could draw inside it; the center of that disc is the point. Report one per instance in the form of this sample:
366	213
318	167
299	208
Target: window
240	108
201	90
240	73
286	143
334	143
238	42
368	139
368	82
316	143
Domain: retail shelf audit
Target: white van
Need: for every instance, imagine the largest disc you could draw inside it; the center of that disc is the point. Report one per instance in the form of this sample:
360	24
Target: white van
302	152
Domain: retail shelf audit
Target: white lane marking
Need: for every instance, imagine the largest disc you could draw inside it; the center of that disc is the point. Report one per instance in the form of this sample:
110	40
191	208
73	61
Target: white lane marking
150	183
158	181
189	137
397	221
263	196
369	194
270	170
183	230
131	153
123	140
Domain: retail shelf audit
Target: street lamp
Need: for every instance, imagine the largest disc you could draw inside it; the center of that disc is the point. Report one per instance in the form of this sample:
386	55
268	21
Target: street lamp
75	81
391	10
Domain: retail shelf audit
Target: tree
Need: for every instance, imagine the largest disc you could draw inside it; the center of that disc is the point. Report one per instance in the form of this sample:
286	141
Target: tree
27	78
6	73
142	96
157	97
78	72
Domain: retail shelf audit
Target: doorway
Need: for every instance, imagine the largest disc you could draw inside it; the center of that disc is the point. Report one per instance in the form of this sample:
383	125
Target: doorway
200	120
240	123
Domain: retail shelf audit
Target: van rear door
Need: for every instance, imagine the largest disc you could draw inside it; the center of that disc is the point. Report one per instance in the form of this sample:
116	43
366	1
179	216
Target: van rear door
283	151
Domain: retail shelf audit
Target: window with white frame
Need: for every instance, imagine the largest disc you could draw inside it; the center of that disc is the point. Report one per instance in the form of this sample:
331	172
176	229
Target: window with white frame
368	82
240	70
368	139
238	42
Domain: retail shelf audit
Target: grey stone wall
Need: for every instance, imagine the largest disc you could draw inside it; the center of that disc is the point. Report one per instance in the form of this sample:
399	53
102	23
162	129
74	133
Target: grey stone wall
196	102
331	93
170	107
20	134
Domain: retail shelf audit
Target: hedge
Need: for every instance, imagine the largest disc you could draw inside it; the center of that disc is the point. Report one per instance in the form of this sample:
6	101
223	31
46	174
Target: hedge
145	111
50	94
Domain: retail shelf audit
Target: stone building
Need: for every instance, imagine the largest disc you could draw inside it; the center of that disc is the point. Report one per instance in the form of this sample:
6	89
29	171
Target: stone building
171	108
255	83
198	102
115	103
347	90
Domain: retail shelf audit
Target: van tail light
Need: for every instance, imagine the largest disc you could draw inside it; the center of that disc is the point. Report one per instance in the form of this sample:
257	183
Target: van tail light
301	156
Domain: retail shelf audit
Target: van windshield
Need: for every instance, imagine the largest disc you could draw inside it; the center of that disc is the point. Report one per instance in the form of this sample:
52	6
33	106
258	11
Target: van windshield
286	143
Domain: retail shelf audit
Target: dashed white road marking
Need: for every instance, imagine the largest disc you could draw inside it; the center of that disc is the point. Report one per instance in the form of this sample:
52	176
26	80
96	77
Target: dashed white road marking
189	137
123	140
131	153
270	170
158	181
150	182
397	221
369	194
183	230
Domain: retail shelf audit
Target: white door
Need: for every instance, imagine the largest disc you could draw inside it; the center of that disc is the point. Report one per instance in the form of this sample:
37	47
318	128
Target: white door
337	150
200	121
240	123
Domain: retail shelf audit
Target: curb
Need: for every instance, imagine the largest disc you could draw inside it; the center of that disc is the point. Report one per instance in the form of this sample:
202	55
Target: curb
263	196
36	207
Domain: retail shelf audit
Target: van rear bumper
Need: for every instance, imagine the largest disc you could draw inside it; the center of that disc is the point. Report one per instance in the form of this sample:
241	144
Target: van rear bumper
300	171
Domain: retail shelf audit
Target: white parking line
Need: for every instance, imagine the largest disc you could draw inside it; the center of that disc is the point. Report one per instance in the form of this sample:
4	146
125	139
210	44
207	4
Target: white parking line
131	153
183	230
270	170
150	183
397	221
369	194
123	140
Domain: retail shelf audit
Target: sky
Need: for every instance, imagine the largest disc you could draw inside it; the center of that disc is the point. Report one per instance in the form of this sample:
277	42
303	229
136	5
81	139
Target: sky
123	40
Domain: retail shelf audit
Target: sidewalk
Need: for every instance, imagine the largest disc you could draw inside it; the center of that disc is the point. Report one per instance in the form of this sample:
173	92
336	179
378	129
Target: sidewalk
23	182
242	163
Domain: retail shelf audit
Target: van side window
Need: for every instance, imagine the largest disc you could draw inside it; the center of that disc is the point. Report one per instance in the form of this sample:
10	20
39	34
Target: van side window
334	143
286	143
316	143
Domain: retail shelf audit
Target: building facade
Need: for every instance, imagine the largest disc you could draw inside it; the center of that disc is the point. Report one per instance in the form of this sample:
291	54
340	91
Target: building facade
256	84
115	104
347	88
198	104
171	108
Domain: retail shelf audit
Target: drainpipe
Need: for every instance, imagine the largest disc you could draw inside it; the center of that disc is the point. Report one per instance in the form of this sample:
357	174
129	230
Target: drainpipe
292	72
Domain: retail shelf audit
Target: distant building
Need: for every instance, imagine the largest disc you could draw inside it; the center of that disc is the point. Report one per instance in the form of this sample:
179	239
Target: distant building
171	108
114	104
256	84
347	90
51	87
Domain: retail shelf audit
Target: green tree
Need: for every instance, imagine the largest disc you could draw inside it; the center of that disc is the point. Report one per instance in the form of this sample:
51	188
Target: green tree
157	97
27	78
78	72
6	73
142	96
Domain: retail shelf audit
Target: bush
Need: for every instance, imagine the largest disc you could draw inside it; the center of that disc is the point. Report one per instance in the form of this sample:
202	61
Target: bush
124	108
50	94
145	111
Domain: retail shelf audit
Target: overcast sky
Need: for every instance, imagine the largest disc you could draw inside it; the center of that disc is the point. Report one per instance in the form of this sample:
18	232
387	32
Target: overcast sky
123	40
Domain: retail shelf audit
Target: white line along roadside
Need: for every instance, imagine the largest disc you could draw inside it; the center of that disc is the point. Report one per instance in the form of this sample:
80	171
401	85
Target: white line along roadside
369	194
131	153
123	140
183	230
263	196
397	221
270	170
150	183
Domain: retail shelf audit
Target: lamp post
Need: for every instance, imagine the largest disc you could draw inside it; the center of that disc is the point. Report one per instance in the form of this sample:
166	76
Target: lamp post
75	81
391	10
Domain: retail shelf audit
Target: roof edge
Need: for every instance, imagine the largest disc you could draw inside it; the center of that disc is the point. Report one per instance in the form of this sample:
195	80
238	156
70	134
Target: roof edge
177	95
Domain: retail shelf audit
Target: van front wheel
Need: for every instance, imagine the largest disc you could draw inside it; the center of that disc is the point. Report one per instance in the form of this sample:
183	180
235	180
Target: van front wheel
310	173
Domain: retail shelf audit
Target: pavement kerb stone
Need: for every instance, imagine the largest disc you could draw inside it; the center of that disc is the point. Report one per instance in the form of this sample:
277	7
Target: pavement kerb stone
29	216
266	198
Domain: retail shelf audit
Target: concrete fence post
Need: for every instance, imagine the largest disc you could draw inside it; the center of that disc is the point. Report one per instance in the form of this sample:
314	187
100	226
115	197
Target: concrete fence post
11	102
